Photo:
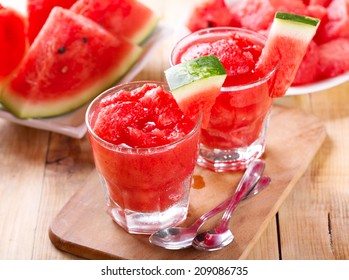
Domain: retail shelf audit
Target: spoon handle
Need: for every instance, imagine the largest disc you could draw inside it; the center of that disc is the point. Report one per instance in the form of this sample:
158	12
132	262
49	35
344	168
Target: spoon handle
200	221
250	178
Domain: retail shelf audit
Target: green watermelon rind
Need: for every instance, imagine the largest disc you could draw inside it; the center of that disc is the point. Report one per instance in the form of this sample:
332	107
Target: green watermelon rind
294	26
195	88
144	33
297	18
21	108
201	68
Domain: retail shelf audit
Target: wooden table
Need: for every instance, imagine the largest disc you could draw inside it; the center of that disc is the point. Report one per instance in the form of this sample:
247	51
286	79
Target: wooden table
40	171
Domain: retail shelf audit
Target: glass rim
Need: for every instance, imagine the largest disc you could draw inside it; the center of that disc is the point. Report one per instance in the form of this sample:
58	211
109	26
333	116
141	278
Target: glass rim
123	147
211	30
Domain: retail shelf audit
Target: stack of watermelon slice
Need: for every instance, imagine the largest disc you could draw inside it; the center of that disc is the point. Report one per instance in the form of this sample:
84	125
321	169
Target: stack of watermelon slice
328	53
77	49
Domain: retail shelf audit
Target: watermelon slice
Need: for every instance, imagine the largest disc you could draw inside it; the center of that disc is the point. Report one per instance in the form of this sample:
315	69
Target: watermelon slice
195	84
129	18
38	11
13	42
71	61
287	43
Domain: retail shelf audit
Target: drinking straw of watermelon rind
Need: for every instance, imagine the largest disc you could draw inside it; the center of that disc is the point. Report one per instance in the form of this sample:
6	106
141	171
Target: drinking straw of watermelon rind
286	45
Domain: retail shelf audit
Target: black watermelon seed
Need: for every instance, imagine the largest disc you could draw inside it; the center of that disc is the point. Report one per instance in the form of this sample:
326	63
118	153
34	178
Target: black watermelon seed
62	50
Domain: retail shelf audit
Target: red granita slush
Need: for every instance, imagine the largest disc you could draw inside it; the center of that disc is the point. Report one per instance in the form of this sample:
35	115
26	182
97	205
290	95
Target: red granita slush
145	151
239	115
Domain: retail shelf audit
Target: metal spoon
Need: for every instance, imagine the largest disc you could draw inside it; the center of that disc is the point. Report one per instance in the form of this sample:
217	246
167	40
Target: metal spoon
221	236
178	237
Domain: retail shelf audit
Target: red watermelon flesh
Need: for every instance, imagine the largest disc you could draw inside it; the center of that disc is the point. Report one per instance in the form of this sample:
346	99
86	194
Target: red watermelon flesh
290	61
323	3
254	15
129	18
211	13
338	16
294	6
72	60
144	117
13	28
257	15
316	11
39	10
333	58
336	23
338	10
307	71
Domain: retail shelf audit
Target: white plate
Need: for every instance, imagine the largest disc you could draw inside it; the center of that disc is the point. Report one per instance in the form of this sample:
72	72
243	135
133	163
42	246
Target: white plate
319	86
181	30
73	123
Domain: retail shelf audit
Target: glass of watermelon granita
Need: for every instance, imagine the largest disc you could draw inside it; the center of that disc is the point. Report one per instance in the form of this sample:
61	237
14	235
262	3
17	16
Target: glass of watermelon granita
145	151
236	133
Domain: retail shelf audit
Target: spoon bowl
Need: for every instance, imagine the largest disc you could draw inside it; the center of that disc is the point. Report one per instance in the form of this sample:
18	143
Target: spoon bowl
221	236
213	241
174	238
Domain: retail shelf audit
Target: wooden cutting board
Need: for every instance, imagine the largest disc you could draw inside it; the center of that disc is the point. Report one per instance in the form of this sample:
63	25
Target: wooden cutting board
83	228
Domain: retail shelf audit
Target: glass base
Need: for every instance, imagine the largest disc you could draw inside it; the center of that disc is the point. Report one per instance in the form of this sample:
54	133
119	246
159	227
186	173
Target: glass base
219	160
147	223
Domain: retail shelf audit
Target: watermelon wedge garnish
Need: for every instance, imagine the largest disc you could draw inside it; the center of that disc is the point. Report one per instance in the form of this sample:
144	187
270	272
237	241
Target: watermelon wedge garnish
195	84
287	43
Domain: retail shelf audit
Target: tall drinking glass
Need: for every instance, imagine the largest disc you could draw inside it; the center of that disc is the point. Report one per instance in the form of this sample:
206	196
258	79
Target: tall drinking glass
236	134
146	189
